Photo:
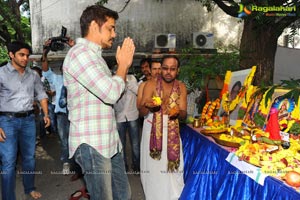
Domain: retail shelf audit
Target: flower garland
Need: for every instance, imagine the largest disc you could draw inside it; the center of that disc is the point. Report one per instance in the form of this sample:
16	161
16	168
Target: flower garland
209	109
228	104
226	83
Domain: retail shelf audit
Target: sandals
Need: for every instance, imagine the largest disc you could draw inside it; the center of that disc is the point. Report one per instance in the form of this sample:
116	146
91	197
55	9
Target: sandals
80	193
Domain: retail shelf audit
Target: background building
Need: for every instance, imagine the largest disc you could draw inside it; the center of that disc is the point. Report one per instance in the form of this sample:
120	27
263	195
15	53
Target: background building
142	20
154	24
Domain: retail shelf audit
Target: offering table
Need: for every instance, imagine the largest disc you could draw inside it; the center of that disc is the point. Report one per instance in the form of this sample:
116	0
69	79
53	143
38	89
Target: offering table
207	174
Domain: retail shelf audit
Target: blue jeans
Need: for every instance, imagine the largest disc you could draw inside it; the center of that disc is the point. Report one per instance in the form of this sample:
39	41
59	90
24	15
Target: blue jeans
105	177
22	132
133	130
63	125
52	115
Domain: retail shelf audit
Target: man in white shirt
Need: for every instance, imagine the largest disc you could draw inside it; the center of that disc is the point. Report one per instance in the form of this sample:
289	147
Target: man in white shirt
127	116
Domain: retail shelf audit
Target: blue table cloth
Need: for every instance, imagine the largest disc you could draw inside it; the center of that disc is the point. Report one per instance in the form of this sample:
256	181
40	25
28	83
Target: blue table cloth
207	175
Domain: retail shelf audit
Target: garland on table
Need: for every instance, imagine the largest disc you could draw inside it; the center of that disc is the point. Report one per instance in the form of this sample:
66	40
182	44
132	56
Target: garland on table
209	108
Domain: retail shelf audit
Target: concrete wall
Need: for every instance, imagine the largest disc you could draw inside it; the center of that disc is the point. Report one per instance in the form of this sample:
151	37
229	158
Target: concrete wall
140	20
287	64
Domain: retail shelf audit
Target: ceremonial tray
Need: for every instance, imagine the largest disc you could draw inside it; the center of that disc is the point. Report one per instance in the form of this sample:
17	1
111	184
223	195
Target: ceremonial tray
209	132
225	143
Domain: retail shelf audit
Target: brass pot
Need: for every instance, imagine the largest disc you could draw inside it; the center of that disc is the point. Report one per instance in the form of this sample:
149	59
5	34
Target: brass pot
197	123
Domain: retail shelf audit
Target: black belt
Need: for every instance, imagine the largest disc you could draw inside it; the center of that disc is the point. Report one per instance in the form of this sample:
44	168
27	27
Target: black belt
17	114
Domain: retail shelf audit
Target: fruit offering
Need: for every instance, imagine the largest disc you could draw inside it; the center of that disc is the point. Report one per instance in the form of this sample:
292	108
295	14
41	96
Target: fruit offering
173	111
273	160
156	100
190	119
229	138
292	178
215	125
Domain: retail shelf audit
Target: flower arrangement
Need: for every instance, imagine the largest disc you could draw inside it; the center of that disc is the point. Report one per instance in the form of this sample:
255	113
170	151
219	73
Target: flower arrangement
247	88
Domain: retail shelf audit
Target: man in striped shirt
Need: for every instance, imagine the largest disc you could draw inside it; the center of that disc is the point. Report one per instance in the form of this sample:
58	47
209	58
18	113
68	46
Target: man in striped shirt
92	90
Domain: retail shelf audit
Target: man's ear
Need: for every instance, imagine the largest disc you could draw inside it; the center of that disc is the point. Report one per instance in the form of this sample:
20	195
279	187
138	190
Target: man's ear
11	55
94	26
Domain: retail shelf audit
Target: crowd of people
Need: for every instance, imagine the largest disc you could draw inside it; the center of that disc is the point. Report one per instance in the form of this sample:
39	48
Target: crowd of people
92	109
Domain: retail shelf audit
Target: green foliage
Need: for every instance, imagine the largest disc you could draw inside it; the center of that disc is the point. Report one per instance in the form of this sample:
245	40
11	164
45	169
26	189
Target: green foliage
195	67
13	24
101	2
295	129
26	29
259	120
269	94
241	113
3	54
292	85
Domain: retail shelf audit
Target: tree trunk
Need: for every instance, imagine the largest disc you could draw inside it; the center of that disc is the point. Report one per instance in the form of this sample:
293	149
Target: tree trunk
258	47
15	8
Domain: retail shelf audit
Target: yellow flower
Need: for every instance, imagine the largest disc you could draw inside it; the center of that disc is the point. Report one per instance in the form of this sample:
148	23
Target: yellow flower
248	80
295	113
289	124
227	77
156	100
251	89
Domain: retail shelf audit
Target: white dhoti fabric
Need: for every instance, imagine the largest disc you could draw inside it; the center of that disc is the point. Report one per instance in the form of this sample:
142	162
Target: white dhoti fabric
157	182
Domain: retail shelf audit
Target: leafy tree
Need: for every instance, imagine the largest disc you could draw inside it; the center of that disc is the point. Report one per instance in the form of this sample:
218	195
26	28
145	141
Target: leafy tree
260	34
196	69
13	26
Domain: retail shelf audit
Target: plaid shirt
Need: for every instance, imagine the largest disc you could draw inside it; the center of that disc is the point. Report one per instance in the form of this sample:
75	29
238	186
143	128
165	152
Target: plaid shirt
92	91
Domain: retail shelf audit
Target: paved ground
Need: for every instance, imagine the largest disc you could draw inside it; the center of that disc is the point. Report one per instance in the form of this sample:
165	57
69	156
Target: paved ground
55	186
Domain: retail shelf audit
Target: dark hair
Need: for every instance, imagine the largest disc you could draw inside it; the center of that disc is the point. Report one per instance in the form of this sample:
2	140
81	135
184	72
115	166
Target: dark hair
154	61
17	45
97	13
171	56
238	83
144	60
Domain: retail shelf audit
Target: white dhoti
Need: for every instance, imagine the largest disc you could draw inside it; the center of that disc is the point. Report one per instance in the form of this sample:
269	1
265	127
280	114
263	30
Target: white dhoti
157	182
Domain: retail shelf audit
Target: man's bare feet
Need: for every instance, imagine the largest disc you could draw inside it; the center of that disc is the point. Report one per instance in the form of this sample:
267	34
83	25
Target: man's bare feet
35	194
